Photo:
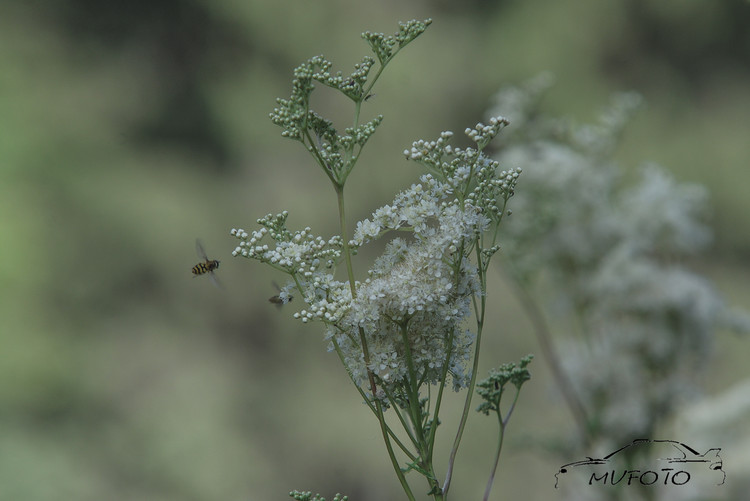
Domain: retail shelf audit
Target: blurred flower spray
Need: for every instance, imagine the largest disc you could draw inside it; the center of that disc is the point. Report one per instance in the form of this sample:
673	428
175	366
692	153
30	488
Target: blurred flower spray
401	333
590	254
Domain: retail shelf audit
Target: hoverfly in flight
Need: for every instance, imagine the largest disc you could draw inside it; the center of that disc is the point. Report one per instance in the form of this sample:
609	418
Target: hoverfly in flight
278	300
206	266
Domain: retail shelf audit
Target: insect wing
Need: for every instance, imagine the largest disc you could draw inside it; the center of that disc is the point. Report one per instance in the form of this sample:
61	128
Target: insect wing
215	280
200	250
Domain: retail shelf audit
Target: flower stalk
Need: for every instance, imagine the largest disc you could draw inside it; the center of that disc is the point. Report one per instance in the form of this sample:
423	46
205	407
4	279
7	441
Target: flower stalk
401	331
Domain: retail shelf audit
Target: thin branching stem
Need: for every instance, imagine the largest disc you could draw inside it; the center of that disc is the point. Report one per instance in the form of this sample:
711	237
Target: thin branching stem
502	423
499	449
370	405
365	350
552	357
474	370
403	421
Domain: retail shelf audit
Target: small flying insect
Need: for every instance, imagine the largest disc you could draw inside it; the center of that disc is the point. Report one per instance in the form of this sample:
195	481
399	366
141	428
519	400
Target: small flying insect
277	299
207	266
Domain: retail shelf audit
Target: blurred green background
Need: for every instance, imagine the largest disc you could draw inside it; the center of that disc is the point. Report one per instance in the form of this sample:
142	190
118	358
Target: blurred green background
128	129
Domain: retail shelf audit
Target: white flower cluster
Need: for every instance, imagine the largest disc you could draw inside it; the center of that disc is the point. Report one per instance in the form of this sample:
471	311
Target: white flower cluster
327	299
300	253
414	208
650	333
412	307
468	173
610	252
410	312
307	259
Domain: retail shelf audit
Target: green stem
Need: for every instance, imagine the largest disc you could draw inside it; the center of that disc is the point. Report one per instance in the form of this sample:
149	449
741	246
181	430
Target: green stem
369	404
491	480
357	109
472	383
345	238
439	399
319	158
412	389
371	83
404	423
448	354
365	350
503	422
394	461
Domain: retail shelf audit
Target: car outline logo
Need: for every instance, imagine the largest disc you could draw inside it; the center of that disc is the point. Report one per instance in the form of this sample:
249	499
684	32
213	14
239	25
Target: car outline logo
684	454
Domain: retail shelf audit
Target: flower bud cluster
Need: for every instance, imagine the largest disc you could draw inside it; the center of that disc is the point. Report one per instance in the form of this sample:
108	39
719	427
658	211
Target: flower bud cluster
468	172
299	254
383	46
292	114
444	161
352	85
360	134
491	389
483	134
492	191
308	496
431	153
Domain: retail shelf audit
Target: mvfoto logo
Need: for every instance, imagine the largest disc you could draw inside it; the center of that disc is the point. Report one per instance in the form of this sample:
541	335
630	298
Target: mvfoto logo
647	463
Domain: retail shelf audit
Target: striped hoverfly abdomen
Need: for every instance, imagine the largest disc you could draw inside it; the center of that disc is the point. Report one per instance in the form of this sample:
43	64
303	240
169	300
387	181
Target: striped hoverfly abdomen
205	266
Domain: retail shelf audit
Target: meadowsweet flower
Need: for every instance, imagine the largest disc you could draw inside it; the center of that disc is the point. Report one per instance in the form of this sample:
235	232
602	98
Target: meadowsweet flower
404	327
417	296
413	306
611	254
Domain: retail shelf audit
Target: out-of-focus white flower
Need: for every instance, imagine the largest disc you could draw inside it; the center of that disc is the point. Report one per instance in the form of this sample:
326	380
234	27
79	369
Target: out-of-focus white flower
610	254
